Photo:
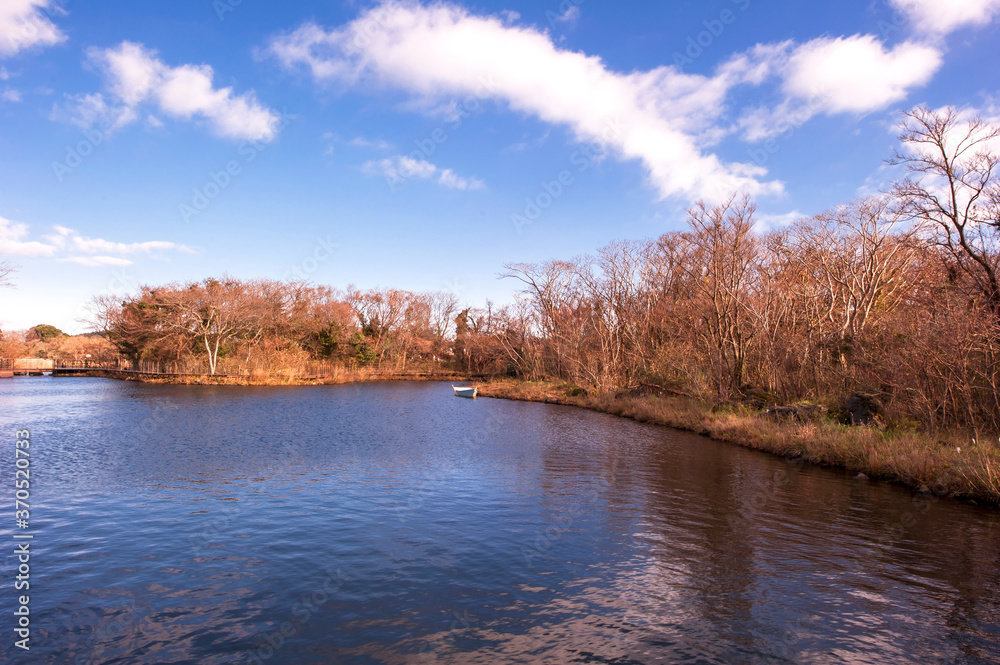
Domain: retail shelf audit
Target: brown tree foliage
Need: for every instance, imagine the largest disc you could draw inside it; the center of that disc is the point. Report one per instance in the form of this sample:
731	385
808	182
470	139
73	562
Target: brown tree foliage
853	300
237	326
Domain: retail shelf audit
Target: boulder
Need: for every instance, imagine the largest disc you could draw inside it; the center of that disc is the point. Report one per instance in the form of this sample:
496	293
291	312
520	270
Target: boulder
864	409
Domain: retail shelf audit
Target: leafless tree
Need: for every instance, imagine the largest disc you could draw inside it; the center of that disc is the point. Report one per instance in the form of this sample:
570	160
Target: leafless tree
863	255
6	270
953	189
721	266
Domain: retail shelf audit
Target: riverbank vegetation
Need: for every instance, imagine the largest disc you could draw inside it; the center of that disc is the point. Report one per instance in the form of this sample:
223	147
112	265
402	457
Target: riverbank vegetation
902	455
49	343
884	312
263	327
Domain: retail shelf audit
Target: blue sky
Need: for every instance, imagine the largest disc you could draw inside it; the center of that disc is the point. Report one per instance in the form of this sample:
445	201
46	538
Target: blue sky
422	145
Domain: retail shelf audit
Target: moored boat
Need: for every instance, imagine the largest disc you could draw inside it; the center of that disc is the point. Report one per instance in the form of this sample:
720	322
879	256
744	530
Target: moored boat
465	391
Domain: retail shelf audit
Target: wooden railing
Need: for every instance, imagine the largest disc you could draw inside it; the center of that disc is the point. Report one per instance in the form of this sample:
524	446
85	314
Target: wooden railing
116	364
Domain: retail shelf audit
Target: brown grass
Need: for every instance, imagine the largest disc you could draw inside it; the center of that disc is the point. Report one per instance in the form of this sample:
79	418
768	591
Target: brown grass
911	458
336	377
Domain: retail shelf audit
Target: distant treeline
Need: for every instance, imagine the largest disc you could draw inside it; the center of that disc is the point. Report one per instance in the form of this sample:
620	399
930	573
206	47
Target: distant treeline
266	325
895	295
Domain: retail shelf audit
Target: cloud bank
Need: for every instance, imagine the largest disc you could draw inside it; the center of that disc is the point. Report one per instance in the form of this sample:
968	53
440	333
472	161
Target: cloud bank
668	120
135	77
442	51
67	245
941	17
23	26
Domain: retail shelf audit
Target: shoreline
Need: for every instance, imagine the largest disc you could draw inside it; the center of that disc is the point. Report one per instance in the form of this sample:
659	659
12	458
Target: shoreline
347	376
944	467
909	458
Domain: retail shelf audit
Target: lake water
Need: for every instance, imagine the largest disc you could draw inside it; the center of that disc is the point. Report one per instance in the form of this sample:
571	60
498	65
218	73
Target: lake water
395	523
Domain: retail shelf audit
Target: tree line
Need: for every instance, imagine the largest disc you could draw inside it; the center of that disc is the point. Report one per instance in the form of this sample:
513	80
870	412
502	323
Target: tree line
894	294
248	326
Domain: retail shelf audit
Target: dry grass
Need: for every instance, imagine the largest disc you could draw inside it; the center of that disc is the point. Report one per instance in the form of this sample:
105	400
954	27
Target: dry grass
908	457
336	377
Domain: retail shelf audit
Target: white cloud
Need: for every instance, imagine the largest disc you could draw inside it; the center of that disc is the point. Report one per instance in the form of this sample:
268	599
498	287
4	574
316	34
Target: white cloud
663	117
452	180
857	74
397	170
135	76
4	74
668	120
521	146
940	17
776	221
378	144
86	111
69	246
570	17
12	241
97	261
10	95
24	26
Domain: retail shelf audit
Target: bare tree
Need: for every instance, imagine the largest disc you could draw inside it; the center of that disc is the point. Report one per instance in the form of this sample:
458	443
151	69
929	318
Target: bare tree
139	325
6	270
953	189
380	312
444	307
863	259
721	266
213	312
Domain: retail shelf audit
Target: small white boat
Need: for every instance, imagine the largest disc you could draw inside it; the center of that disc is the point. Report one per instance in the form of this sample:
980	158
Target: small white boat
465	391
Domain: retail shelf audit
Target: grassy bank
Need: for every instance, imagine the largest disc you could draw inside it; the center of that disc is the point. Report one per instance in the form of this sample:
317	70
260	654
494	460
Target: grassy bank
337	377
948	467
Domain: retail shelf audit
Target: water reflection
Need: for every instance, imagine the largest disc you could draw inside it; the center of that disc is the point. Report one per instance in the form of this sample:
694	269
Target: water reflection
393	523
